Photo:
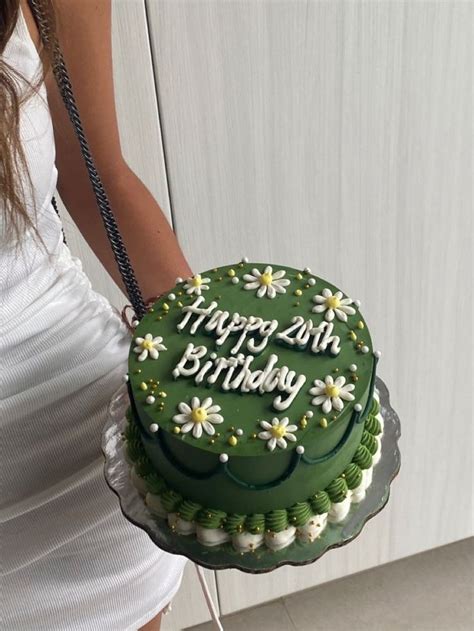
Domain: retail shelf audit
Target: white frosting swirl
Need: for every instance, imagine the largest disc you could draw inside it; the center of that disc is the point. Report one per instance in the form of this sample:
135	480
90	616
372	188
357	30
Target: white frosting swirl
312	529
339	510
154	504
182	526
279	540
211	536
246	541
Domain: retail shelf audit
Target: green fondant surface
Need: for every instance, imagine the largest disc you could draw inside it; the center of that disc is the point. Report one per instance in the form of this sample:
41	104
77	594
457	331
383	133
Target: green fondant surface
185	462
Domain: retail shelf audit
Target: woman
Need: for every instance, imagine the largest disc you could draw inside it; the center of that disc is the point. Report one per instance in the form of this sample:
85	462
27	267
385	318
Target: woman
69	560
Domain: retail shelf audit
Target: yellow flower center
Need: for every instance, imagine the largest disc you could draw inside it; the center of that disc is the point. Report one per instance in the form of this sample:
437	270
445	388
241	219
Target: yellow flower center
199	415
266	279
332	391
196	281
332	302
147	344
278	431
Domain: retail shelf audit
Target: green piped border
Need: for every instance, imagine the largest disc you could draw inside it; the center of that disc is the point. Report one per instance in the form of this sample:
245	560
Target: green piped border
336	491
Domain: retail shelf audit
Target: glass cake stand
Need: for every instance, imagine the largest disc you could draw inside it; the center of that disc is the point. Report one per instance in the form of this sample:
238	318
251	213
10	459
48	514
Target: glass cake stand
224	556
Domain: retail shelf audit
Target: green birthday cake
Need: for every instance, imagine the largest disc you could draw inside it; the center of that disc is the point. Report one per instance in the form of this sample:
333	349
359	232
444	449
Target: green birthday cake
253	418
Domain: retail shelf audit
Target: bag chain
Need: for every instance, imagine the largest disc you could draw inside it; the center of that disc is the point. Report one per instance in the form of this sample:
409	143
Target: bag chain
110	224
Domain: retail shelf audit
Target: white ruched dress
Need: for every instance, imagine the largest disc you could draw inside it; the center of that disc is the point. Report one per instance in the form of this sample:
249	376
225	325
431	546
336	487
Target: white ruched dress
68	558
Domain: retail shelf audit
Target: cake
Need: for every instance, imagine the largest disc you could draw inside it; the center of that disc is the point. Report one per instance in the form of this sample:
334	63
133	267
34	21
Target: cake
253	419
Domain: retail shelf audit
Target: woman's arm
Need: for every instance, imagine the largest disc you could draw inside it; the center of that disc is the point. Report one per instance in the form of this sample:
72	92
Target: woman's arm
84	31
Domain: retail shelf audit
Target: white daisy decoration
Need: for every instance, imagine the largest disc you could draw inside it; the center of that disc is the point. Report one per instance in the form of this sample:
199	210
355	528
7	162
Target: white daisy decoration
198	417
277	433
331	393
148	345
333	305
267	283
196	284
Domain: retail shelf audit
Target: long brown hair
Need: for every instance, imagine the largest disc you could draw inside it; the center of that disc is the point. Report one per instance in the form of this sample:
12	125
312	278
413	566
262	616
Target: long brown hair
14	90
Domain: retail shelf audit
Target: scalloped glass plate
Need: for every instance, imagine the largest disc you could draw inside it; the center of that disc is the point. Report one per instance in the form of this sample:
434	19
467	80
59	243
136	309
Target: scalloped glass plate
222	557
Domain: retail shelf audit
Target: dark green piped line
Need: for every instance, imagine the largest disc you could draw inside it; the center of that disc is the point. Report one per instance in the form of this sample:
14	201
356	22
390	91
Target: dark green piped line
295	460
371	390
355	418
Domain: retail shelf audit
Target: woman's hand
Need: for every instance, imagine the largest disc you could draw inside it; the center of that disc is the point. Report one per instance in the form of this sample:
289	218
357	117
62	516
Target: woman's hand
84	31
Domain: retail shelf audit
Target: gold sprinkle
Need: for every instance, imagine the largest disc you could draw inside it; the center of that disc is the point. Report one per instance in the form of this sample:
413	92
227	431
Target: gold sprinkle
298	292
162	394
360	324
219	278
215	269
212	441
143	386
303	422
253	435
231	273
137	371
334	417
299	276
159	318
180	293
352	335
232	441
150	380
165	306
176	430
151	310
324	423
241	264
297	304
355	378
307	286
218	434
218	297
179	304
336	370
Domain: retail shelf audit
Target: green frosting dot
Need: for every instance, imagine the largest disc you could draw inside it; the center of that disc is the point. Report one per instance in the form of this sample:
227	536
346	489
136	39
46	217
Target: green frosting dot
188	510
352	476
362	457
210	518
134	449
132	431
299	514
276	520
320	503
255	523
234	523
155	483
337	490
170	500
143	466
373	426
374	408
369	441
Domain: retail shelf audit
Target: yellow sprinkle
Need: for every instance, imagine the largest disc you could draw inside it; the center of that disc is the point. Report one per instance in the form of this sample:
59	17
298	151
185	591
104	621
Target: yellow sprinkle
360	324
298	292
232	441
241	264
176	430
303	422
299	276
352	335
143	386
165	306
231	273
162	394
324	423
179	304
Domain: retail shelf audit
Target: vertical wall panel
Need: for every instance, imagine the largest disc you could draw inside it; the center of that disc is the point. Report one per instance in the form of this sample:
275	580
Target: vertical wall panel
337	135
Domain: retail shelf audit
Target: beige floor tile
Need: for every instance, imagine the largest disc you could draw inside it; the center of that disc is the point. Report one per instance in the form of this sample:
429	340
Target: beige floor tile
270	617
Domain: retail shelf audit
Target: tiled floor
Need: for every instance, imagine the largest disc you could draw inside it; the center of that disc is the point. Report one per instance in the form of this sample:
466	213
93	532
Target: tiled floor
432	591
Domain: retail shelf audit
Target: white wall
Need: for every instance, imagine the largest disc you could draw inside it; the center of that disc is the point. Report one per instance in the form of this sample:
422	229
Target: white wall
335	135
